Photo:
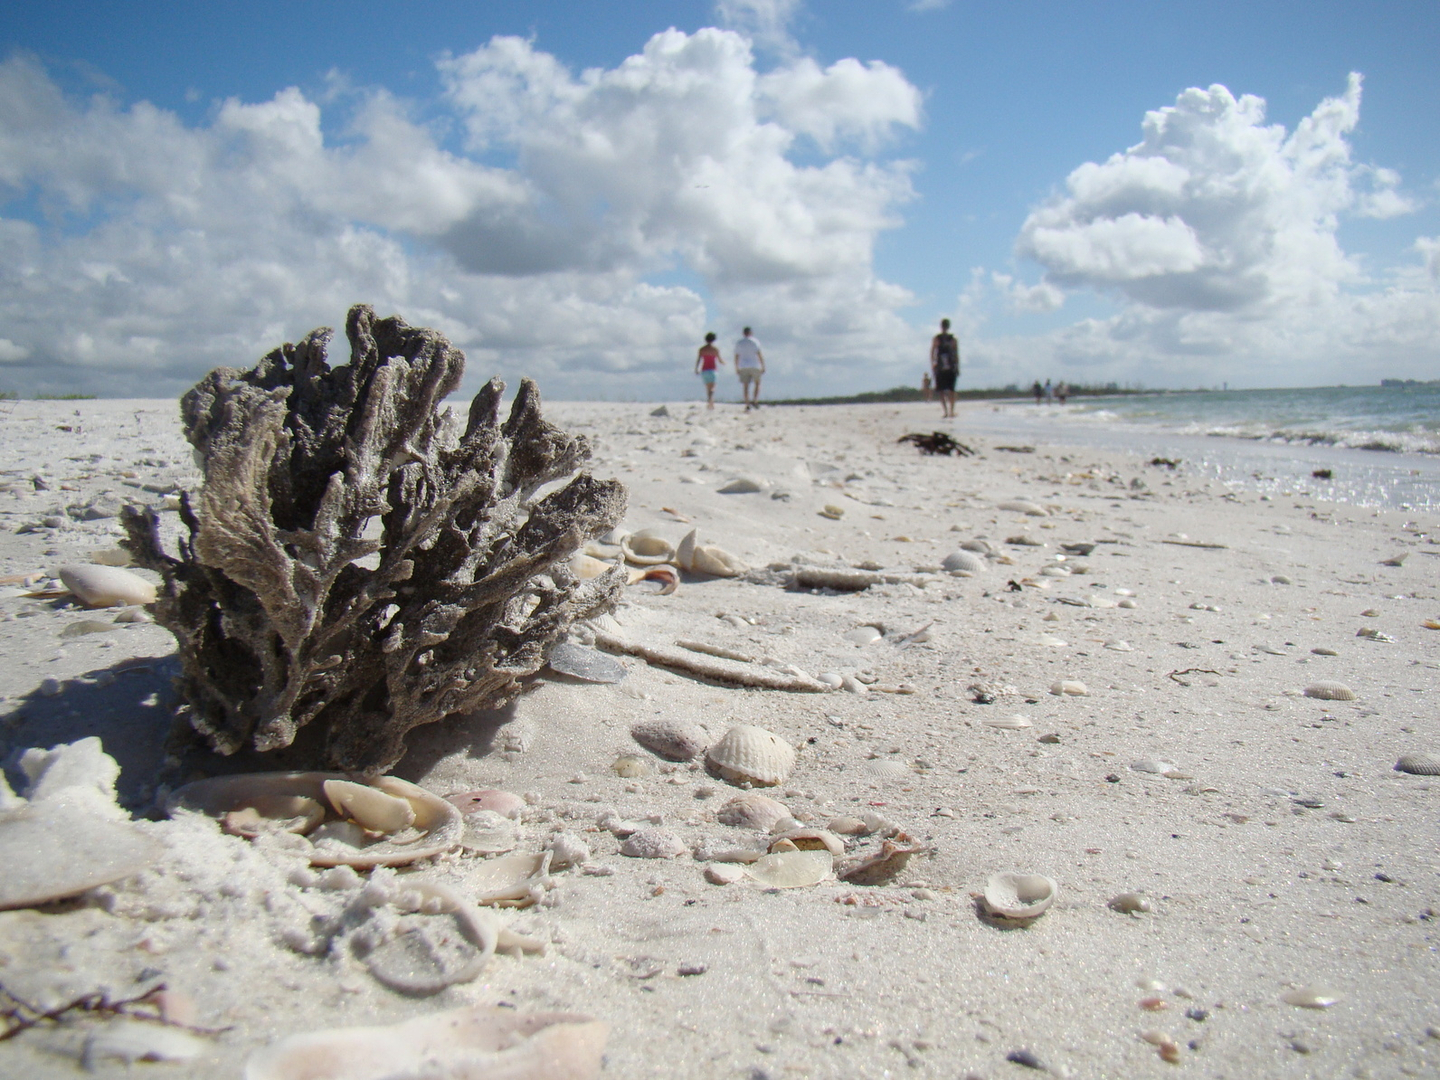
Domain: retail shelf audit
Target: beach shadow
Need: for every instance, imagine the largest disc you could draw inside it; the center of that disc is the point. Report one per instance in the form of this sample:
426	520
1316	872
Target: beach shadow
472	734
130	707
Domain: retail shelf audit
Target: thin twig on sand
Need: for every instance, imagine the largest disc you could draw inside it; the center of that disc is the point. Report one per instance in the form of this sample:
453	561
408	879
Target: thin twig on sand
676	660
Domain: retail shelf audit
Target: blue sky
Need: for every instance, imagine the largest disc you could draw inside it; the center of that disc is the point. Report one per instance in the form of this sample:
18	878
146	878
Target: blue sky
577	191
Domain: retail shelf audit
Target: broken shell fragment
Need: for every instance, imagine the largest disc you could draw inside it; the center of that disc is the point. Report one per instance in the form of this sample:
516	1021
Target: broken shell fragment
750	754
582	662
1023	506
810	840
881	866
371	809
791	869
472	1041
1069	687
511	880
1128	902
437	826
1019	896
653	844
647	548
1418	764
666	574
1330	691
752	811
717	562
106	586
505	803
632	766
1311	997
421	958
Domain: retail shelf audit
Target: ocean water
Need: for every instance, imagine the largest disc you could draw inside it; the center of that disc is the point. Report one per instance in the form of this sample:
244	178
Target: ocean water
1381	445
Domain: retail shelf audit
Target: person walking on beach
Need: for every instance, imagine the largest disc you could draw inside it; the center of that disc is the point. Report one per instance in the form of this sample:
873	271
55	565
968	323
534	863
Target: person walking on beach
1038	391
1049	392
945	363
707	360
1061	391
749	365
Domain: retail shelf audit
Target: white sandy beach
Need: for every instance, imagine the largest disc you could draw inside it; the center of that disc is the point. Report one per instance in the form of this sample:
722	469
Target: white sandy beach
1283	852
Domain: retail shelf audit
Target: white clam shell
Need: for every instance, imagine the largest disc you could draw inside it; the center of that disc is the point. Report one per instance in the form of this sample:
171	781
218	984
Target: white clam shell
473	1041
750	754
963	562
792	869
1311	997
511	880
863	635
106	586
1070	688
1330	691
1023	506
585	567
647	548
685	553
369	807
1019	896
717	562
752	811
1008	723
438	825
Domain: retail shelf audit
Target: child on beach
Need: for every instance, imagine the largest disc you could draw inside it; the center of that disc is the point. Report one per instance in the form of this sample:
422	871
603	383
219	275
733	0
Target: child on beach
707	361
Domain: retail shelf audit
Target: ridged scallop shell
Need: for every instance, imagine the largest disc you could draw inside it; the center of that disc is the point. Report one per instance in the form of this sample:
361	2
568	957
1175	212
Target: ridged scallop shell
1419	764
1330	691
466	1042
1019	896
751	811
963	562
647	548
749	754
792	869
438	825
1023	506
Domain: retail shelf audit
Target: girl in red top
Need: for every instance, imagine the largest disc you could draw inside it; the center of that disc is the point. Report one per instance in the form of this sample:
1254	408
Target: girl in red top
706	362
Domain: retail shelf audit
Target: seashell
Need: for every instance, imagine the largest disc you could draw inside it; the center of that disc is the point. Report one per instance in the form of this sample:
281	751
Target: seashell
792	869
724	873
742	485
1419	764
653	844
437	827
278	813
833	512
1311	997
1019	896
1054	571
1052	642
717	562
1008	723
52	849
1022	540
811	840
1128	902
135	1040
1023	506
511	880
631	766
421	958
1330	691
583	662
106	586
505	803
982	547
585	567
133	614
887	768
847	826
664	573
862	635
1119	646
784	825
674	740
1070	687
752	811
567	849
881	866
749	754
1322	651
472	1041
647	548
370	809
963	562
1159	768
832	679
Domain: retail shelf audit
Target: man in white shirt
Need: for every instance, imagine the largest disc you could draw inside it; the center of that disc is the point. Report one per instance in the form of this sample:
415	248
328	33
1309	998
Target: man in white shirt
749	365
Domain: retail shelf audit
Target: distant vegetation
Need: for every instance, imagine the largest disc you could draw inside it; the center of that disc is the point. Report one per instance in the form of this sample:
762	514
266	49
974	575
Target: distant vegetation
898	394
66	397
9	395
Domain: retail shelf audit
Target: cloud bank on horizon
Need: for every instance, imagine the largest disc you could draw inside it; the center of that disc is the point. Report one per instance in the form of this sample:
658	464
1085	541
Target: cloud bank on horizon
587	229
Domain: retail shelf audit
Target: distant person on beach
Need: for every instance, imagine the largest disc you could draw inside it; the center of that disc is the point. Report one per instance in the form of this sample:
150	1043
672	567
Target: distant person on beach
927	387
945	363
749	365
1062	391
1038	391
707	360
1049	392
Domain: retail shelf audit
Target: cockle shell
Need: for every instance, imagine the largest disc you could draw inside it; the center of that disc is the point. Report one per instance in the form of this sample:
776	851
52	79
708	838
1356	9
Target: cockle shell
749	754
963	562
792	869
1019	896
1330	691
674	740
458	1044
751	811
1419	764
1023	506
647	548
106	586
511	880
717	562
369	807
438	825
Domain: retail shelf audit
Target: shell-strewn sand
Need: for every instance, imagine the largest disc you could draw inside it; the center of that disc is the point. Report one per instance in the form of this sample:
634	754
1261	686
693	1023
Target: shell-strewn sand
1282	851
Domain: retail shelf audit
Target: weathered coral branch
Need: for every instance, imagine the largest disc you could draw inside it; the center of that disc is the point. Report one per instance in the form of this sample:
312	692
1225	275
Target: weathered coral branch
355	567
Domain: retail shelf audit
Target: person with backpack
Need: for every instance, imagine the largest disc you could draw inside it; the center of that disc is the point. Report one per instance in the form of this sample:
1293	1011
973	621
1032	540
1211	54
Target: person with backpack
945	363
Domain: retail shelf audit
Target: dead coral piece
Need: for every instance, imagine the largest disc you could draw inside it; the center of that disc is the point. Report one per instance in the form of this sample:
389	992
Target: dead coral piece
937	442
357	565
